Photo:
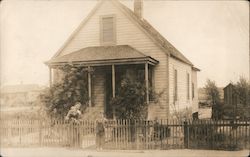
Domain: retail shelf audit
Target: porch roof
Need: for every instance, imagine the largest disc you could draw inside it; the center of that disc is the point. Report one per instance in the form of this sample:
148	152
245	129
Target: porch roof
103	55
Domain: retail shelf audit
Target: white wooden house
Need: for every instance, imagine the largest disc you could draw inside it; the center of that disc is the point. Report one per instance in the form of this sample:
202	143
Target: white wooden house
115	41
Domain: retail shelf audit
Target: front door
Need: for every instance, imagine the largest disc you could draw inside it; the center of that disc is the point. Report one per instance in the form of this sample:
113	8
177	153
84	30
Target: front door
108	95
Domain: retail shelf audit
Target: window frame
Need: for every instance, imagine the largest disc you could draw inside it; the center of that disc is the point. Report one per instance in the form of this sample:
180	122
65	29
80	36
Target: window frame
188	86
101	30
192	90
175	85
151	79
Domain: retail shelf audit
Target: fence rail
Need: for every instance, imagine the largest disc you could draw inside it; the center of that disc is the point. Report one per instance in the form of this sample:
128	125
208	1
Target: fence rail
128	134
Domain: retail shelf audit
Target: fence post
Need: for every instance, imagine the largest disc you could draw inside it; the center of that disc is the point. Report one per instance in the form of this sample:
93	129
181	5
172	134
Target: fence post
186	134
136	134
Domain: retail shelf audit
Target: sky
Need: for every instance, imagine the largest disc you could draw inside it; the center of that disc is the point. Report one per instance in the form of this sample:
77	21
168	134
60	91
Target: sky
214	35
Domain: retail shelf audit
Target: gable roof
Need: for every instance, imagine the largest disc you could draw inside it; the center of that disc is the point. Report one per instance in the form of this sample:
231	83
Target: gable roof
97	55
230	85
166	45
155	34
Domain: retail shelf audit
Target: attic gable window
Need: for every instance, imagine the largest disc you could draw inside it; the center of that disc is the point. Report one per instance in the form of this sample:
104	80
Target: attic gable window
108	30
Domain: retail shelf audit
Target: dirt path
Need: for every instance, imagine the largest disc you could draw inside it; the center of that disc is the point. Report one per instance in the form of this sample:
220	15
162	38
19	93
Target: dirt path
64	152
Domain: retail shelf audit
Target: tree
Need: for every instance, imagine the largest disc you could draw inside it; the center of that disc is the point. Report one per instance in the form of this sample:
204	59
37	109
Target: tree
62	96
242	88
242	92
213	96
129	102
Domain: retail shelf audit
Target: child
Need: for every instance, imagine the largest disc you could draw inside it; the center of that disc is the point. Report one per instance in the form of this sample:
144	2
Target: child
100	134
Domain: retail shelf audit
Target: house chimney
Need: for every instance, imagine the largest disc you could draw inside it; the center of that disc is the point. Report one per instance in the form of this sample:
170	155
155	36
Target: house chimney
138	8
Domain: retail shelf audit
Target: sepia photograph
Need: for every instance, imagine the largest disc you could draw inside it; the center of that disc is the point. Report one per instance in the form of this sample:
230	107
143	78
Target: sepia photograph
127	78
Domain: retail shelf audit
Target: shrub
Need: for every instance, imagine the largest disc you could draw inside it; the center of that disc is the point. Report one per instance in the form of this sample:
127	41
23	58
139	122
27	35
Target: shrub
129	102
61	96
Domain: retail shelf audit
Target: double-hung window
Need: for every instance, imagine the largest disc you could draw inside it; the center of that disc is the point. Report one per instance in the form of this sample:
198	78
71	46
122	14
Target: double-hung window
175	85
107	30
188	86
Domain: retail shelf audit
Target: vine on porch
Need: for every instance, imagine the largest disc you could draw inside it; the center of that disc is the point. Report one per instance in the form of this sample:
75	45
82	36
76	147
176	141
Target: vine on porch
63	95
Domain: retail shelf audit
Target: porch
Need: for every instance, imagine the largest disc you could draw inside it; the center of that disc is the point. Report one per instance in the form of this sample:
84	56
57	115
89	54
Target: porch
107	66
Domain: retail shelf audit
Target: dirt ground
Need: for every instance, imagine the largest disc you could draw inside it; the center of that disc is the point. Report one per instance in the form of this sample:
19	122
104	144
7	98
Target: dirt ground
67	152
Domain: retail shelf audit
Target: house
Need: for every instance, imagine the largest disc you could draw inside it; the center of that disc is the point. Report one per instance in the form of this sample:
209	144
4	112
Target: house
229	94
19	98
116	41
235	104
20	95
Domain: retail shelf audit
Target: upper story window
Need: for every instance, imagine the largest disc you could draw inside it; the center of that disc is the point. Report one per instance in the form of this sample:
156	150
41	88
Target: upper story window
108	30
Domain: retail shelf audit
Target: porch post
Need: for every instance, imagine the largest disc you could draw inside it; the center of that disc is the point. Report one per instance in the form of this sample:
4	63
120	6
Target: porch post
50	77
113	80
89	86
146	82
113	88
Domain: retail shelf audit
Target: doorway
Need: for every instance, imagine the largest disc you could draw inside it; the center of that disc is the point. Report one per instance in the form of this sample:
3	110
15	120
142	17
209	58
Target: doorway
108	95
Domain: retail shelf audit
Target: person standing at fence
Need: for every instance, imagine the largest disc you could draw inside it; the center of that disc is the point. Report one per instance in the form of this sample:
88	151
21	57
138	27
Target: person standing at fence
73	117
157	132
100	133
156	127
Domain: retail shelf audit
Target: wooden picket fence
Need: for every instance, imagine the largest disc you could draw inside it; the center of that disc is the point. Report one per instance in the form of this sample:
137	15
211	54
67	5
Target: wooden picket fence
141	134
19	132
221	134
128	134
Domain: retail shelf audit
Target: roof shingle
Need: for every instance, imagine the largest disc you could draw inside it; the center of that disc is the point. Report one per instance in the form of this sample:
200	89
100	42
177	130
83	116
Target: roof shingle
100	53
166	45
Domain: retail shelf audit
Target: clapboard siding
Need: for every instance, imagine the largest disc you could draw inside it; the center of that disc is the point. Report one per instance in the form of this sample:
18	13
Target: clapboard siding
128	33
182	70
98	84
